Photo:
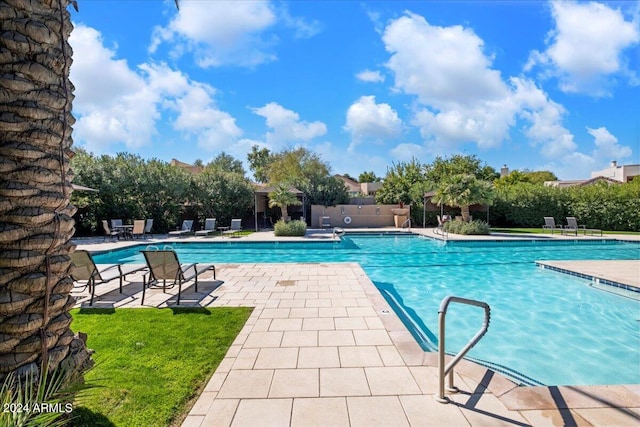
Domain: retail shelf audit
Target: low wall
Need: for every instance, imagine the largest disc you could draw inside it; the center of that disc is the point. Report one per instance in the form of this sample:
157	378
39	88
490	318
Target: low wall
360	215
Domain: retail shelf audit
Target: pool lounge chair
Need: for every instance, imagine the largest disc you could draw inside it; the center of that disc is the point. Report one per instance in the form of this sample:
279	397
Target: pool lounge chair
138	228
236	226
83	268
164	265
187	225
325	222
108	232
550	224
209	227
572	225
148	225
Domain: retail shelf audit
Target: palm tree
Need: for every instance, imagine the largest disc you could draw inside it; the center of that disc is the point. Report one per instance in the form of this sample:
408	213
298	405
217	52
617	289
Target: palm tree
463	191
36	223
282	197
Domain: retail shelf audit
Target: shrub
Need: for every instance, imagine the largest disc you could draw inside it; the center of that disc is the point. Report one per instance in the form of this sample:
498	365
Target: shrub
291	228
472	227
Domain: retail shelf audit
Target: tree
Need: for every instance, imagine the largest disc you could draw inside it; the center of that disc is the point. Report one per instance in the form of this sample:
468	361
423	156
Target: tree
397	185
462	191
259	160
228	163
327	191
539	177
368	177
36	223
222	195
282	197
440	169
130	187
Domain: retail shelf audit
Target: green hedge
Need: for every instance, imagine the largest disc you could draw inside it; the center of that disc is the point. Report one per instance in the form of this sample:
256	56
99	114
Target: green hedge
604	206
291	228
472	227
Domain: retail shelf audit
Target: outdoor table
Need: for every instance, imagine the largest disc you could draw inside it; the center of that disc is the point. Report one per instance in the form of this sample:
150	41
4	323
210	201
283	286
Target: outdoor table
221	229
126	231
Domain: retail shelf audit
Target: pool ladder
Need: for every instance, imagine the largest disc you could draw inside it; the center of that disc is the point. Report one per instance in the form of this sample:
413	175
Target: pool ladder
448	369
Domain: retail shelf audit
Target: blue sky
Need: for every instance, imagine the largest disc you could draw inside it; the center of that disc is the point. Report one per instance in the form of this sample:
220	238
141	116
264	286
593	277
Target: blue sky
534	85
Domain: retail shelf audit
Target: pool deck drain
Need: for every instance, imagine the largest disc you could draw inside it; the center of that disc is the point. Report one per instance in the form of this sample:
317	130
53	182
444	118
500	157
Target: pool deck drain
328	350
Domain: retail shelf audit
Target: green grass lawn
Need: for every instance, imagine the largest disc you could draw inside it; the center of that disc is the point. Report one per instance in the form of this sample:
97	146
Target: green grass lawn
540	230
150	364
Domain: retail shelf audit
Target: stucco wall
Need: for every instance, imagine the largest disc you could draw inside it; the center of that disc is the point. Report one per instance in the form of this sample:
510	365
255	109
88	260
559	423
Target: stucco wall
361	216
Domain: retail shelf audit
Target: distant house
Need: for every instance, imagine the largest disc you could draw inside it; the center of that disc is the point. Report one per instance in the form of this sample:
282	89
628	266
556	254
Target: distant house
353	188
614	174
356	189
624	173
186	166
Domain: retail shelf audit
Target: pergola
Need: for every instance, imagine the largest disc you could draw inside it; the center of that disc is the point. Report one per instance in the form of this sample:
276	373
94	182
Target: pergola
427	198
261	194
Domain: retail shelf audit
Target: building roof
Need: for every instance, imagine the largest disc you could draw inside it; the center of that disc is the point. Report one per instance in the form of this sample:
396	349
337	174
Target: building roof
191	168
265	189
580	182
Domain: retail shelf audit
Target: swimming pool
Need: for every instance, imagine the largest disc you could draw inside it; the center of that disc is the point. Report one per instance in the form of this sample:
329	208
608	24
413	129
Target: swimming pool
546	327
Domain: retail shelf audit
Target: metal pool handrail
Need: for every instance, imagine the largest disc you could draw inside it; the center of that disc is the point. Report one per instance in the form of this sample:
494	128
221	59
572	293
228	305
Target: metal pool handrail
448	369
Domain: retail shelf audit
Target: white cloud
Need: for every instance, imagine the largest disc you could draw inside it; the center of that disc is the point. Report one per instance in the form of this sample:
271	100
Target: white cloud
585	49
370	76
406	151
607	147
446	69
443	66
221	32
366	161
127	104
286	125
240	33
460	97
579	165
544	117
303	29
367	120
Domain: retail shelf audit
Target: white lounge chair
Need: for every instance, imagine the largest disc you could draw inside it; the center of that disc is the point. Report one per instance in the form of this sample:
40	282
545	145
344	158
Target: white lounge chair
148	225
209	227
236	226
187	225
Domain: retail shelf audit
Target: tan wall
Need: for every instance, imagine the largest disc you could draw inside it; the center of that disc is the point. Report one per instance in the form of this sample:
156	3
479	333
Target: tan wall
363	216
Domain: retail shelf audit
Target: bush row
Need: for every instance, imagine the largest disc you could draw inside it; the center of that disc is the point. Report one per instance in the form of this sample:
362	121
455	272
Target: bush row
291	228
473	227
603	206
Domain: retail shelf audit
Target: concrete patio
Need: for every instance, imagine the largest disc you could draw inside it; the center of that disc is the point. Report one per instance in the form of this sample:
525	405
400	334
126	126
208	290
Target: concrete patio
322	347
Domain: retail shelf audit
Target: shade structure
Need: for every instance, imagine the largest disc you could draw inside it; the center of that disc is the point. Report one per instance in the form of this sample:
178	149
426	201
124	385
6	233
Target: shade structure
261	191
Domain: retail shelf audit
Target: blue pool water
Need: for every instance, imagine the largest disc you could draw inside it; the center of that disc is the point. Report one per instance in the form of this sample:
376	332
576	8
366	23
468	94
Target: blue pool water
546	327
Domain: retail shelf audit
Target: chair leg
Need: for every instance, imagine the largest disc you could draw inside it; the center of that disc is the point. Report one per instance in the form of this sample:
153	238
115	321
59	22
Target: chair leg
179	290
92	286
144	287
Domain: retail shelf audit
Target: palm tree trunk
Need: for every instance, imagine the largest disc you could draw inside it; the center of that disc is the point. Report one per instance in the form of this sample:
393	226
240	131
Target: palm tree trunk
464	211
36	223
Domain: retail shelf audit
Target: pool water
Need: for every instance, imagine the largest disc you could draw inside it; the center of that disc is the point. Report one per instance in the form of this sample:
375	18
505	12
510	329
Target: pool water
546	327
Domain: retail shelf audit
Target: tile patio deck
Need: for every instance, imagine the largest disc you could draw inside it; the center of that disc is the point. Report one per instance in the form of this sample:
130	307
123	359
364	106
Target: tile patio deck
322	347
